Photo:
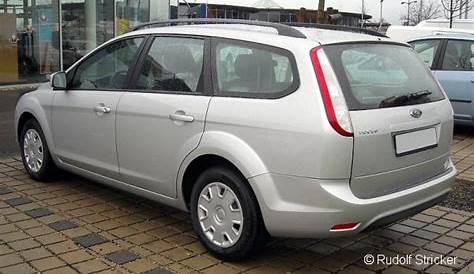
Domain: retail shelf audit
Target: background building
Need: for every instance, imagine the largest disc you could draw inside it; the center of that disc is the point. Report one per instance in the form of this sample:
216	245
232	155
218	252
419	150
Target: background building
38	37
302	11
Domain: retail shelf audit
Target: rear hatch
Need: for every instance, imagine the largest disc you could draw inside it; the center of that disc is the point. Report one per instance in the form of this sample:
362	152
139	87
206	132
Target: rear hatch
402	124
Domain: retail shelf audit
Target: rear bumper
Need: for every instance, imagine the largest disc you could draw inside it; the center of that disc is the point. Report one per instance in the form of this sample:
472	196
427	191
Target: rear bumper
304	207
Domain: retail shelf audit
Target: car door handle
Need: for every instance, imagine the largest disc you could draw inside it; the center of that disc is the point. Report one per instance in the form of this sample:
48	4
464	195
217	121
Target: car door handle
181	117
102	109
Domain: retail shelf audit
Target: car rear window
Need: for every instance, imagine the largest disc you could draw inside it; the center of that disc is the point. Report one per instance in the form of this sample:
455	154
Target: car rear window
382	75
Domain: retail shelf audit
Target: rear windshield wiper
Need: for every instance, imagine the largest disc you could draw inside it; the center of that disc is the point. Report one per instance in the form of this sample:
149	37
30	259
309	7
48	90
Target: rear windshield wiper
400	100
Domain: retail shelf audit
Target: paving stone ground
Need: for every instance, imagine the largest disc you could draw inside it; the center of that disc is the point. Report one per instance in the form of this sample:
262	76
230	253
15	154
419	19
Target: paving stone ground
462	152
76	226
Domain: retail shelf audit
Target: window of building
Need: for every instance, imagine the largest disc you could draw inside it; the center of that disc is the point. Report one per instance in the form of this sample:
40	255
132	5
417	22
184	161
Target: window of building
173	64
29	40
85	25
244	69
108	68
131	14
35	43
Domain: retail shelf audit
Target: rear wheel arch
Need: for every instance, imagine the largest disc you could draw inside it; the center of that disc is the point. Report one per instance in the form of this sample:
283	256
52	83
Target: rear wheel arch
202	163
198	166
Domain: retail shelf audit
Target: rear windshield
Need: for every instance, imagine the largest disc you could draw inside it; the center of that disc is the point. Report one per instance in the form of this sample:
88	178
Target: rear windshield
382	75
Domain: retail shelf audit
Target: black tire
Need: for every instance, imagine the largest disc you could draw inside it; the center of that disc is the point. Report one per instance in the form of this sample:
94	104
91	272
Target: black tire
48	169
253	236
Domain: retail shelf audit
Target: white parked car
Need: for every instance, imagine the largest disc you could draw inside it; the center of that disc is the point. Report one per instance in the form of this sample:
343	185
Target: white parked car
467	24
409	33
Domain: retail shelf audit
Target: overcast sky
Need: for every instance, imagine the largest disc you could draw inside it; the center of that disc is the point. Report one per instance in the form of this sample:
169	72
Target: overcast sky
392	9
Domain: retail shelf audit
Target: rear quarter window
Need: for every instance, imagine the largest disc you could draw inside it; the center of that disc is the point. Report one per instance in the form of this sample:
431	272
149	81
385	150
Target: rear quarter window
246	69
371	75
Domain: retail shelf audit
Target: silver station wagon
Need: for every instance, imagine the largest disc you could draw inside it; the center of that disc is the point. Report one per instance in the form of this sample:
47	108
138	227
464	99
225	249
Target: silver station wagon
256	129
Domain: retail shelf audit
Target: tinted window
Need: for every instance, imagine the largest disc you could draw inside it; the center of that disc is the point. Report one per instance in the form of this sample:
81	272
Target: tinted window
245	69
172	64
107	68
459	55
373	75
427	50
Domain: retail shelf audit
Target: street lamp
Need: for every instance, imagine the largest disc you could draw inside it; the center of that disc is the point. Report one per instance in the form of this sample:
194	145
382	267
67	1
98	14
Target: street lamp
381	14
408	3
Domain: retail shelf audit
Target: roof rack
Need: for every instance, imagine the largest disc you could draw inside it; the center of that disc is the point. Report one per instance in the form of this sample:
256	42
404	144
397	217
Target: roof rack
337	27
282	29
443	32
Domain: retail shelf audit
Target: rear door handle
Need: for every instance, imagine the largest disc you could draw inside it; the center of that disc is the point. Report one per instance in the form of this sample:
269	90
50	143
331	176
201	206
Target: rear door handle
102	109
182	117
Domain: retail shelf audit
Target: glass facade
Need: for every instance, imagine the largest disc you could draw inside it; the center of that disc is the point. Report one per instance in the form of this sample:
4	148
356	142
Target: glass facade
38	37
85	25
29	39
131	14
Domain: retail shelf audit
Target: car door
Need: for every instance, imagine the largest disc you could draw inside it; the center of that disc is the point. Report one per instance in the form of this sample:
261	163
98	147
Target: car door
456	75
162	119
83	116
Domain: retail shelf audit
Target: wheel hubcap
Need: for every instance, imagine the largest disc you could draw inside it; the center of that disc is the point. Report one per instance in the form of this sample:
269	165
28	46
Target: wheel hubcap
220	214
33	150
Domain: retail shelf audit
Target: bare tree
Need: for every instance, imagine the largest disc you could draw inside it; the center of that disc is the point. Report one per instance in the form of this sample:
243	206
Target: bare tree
423	11
453	8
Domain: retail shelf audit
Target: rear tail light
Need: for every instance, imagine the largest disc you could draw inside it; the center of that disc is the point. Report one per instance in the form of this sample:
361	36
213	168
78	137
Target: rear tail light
331	92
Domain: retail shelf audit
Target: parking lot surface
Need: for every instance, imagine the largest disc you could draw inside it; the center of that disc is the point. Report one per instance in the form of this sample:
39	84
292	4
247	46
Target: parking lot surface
73	225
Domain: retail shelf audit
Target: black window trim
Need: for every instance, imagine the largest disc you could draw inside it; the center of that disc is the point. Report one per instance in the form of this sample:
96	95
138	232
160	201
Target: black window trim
439	51
205	90
441	59
71	73
255	95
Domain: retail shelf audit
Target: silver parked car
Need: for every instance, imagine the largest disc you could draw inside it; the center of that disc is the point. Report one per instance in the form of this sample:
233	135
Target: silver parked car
256	129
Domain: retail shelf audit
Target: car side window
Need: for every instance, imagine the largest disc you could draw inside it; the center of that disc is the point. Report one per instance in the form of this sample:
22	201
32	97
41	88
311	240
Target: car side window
248	70
459	56
107	68
173	64
427	50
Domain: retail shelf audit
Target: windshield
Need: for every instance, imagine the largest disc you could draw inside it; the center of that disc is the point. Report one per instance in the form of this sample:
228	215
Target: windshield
382	75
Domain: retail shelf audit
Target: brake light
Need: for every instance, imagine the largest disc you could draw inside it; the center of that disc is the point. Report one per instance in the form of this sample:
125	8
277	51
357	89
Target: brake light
331	92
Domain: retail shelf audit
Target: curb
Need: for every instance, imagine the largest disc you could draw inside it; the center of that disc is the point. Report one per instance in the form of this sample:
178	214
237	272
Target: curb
19	88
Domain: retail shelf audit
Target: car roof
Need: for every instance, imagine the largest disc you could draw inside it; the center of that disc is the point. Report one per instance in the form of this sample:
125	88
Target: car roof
453	36
324	36
244	32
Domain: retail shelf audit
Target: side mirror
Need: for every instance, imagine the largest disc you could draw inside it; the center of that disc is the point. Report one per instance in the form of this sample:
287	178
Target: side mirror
59	81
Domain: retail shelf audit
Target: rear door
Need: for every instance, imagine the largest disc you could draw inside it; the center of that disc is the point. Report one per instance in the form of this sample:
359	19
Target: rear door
456	75
161	119
401	121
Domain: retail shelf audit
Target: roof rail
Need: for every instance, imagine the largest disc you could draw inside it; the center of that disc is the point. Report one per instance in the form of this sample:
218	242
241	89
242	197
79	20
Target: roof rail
441	32
281	28
337	27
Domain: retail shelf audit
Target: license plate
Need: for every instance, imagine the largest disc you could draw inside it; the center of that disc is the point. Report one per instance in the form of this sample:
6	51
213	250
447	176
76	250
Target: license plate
415	141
